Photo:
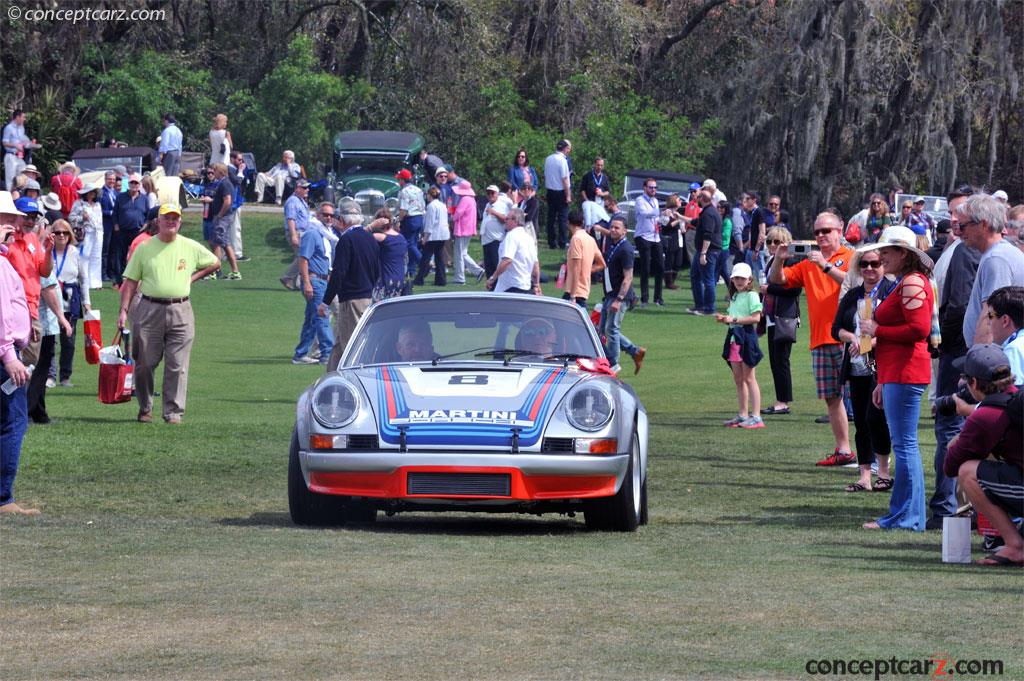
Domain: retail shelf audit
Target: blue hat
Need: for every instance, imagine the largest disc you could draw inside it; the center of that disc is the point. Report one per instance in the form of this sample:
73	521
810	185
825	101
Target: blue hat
27	205
694	185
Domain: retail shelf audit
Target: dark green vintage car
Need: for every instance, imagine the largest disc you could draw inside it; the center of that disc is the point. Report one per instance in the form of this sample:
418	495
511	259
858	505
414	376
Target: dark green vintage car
364	164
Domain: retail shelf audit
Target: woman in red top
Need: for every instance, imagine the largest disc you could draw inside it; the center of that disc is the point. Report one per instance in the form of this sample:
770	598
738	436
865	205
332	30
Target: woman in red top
901	325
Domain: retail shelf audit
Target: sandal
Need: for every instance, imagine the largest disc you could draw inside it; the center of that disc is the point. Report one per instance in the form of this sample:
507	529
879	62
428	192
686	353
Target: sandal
883	484
857	487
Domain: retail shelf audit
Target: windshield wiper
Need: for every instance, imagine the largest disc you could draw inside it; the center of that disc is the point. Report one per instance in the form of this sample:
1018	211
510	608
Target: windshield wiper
460	352
508	353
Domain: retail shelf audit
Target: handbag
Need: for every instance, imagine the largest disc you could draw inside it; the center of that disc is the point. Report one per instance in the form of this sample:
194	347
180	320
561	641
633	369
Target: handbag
93	337
117	374
785	329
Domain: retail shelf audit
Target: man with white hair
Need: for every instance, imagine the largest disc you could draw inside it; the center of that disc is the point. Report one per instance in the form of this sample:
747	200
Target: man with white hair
717	196
354	272
982	220
277	176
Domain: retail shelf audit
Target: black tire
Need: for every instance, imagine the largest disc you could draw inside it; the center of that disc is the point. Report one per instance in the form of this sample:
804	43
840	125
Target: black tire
305	507
643	503
625	511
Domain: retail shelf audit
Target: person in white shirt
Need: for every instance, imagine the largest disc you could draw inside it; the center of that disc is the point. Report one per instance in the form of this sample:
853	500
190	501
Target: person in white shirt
220	140
277	176
411	207
556	181
435	234
519	269
647	238
14	140
492	227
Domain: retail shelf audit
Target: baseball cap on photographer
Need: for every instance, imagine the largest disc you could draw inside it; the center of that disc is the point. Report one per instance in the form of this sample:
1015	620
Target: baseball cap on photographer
981	361
403	174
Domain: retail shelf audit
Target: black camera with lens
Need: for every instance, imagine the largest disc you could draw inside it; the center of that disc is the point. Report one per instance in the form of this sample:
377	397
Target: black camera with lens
946	405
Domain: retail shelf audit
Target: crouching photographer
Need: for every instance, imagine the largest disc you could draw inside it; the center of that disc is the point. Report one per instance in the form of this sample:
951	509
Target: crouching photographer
995	486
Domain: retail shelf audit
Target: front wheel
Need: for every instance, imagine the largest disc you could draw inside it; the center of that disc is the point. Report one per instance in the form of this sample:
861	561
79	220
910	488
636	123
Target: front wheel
627	510
305	507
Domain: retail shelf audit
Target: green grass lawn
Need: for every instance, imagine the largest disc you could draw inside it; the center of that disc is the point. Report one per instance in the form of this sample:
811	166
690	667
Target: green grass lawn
167	552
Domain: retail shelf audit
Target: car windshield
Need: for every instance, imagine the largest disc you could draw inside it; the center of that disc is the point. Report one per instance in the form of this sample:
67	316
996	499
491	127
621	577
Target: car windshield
349	163
490	329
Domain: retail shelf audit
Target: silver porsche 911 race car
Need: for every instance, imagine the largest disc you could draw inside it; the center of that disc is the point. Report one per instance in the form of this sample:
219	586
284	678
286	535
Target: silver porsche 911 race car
470	402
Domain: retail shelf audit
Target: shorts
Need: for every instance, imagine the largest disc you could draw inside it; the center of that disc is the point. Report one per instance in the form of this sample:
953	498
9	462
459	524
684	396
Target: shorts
220	232
734	352
827	361
1003	484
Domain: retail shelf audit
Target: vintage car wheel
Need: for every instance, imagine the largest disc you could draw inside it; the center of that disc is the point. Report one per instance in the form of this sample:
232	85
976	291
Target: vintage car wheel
624	511
308	508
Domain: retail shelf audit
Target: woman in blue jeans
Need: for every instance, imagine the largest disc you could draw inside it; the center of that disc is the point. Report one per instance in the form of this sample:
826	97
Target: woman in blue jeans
901	325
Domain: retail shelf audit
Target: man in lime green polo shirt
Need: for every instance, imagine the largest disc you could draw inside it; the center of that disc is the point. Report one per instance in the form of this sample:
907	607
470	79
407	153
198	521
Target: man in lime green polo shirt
162	271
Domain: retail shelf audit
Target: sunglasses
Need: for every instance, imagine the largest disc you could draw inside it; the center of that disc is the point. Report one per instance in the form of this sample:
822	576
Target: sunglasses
67	233
775	242
131	183
652	186
328	216
870	264
823	232
773	205
876	203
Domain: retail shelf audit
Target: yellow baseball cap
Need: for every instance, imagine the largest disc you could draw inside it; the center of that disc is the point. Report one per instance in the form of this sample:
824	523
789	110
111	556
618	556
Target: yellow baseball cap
169	208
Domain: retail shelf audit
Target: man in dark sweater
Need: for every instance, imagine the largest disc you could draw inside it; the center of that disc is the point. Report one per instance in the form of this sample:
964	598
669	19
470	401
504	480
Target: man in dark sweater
355	270
709	249
955	272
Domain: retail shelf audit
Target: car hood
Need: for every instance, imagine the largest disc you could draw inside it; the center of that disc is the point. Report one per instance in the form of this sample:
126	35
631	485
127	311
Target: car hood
464	406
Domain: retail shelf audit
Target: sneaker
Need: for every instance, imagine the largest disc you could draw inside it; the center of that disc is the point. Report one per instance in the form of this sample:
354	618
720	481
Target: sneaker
838	458
66	383
695	312
145	417
51	383
243	258
480	276
823	419
638	360
234	276
210	277
734	421
304	360
752	422
617	368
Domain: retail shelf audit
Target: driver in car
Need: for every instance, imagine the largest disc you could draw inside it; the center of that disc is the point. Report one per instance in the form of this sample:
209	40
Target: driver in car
415	343
538	336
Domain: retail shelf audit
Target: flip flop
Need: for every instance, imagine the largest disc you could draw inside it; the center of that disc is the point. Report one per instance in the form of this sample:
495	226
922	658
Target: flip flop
996	560
857	487
883	484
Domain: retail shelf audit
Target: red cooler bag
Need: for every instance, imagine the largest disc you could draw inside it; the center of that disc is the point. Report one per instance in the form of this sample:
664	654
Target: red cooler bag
117	377
93	337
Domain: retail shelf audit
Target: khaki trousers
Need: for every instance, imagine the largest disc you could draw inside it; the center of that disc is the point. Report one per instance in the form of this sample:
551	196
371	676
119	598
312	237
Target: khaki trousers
162	332
30	353
346	318
236	233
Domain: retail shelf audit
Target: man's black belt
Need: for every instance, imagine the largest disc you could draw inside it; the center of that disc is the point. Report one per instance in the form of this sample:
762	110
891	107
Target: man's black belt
164	301
325	277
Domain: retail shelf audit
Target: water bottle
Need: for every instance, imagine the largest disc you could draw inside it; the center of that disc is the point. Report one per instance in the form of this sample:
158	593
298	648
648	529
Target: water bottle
10	386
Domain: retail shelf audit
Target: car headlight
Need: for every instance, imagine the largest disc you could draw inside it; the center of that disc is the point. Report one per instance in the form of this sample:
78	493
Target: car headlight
589	408
335	403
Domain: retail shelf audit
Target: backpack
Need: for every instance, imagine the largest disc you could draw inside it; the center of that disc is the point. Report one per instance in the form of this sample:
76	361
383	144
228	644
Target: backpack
1013	403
